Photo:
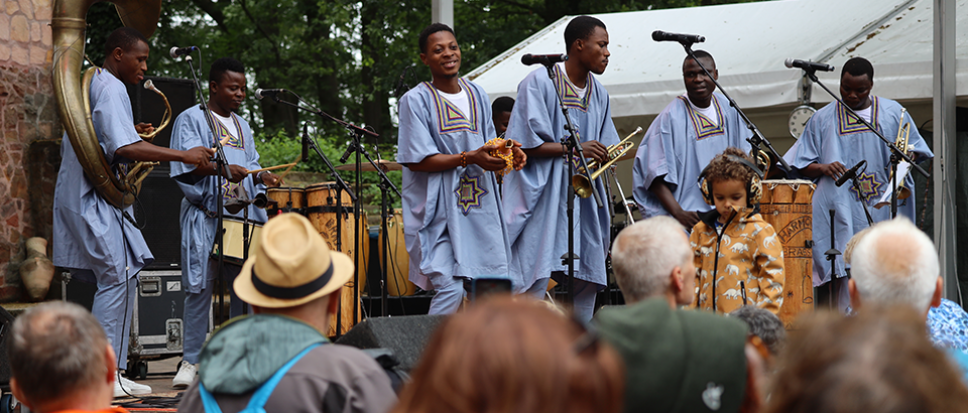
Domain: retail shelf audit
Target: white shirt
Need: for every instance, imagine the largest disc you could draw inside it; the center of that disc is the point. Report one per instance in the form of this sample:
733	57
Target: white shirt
229	124
865	114
459	99
709	111
579	90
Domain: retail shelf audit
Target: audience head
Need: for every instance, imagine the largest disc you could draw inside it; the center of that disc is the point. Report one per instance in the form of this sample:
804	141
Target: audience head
292	272
876	361
763	324
729	181
653	258
514	356
501	113
895	263
60	359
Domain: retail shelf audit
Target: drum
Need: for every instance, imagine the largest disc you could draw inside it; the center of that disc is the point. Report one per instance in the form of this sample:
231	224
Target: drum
323	210
285	199
234	242
398	281
787	205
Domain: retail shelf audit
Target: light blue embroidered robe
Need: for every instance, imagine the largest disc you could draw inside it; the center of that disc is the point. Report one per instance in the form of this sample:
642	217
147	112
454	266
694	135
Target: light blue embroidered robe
88	232
535	198
680	142
834	135
453	220
198	230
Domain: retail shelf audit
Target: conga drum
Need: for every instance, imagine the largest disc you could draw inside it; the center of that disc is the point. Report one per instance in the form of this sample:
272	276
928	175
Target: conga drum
398	277
787	205
285	199
323	210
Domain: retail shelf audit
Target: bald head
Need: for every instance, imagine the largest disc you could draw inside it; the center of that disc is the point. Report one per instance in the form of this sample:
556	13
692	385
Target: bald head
647	253
896	263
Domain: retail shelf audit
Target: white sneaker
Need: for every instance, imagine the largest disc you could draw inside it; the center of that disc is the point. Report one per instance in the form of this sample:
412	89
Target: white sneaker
185	375
132	388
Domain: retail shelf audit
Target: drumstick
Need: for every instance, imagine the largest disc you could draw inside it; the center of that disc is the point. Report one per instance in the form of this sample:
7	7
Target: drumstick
272	168
286	172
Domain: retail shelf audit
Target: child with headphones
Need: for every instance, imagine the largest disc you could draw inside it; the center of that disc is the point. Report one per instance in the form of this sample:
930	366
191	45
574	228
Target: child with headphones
738	256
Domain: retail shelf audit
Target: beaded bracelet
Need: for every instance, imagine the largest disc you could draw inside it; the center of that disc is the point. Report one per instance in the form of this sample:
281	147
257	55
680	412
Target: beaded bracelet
463	159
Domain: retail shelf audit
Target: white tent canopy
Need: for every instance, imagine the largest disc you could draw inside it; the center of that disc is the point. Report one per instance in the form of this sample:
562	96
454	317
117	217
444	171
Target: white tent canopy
750	42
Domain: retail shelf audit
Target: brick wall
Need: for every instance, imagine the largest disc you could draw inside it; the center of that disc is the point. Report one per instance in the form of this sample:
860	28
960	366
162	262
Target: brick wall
29	133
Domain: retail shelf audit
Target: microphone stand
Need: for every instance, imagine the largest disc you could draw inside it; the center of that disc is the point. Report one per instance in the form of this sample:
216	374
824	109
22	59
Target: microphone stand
757	139
357	133
832	254
867	212
896	154
571	146
222	172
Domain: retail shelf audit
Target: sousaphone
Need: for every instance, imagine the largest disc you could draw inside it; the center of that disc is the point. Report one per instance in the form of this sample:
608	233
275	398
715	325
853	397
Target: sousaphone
68	25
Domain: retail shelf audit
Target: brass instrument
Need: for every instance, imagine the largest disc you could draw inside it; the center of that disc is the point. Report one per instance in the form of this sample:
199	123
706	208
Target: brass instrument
165	118
582	184
903	132
68	25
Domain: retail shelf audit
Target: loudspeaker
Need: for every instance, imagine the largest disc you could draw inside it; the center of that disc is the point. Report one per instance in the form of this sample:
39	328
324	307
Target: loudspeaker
406	336
6	323
160	198
158	209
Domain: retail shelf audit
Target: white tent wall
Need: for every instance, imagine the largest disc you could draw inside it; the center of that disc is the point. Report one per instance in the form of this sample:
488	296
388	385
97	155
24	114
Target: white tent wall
750	42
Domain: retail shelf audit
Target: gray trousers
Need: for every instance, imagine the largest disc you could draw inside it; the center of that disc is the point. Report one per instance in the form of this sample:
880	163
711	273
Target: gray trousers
199	306
114	311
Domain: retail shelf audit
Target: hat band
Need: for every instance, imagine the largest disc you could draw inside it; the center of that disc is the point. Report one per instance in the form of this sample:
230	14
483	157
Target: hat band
290	293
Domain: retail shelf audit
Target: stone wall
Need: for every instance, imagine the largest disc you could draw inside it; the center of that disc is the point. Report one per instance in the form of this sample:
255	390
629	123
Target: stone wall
30	132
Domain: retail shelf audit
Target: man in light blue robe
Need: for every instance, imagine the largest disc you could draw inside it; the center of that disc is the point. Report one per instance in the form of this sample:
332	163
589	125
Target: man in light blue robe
535	200
453	221
832	141
198	219
96	241
681	141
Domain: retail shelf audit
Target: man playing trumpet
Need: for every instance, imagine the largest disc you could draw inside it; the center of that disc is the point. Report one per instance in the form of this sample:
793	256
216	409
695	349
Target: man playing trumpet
536	199
201	186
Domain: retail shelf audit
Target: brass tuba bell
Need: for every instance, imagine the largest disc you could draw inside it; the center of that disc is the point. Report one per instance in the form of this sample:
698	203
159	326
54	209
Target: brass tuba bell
68	24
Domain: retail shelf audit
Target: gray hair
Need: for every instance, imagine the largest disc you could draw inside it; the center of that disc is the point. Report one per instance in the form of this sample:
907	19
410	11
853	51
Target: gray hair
896	263
645	253
763	324
56	348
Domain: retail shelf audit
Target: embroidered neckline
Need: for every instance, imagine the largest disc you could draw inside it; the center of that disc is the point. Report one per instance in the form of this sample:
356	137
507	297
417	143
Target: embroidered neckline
848	124
703	126
569	94
222	131
449	117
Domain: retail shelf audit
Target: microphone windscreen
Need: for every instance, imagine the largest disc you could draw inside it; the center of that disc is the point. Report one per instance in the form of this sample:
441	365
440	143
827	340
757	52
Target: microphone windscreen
789	62
657	35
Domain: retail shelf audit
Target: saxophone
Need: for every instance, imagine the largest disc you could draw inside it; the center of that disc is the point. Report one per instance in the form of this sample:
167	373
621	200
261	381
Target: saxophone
68	24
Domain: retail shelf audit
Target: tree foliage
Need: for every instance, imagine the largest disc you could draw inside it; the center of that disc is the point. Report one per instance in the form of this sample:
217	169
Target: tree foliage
345	57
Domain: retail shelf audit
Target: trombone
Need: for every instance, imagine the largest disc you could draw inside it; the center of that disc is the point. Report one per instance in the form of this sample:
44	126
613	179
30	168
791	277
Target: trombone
582	184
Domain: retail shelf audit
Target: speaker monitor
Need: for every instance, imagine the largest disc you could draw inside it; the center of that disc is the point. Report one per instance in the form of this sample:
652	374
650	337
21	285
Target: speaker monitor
406	336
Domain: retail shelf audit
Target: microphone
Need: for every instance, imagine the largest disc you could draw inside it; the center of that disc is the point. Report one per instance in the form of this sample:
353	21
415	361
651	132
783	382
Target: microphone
261	93
180	51
850	174
808	65
545	59
661	36
349	151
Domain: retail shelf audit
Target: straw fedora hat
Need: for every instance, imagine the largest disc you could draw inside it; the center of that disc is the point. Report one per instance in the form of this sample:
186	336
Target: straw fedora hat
291	265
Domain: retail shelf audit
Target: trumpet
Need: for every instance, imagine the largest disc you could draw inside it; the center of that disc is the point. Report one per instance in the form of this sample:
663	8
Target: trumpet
903	132
582	184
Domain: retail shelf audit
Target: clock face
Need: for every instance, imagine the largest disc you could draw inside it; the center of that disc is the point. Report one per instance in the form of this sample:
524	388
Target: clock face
799	118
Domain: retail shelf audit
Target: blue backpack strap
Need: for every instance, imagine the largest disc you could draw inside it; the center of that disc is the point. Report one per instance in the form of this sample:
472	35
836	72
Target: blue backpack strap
261	396
258	401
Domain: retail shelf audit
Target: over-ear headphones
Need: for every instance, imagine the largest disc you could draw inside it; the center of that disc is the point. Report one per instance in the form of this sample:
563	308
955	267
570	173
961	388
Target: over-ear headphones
754	188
